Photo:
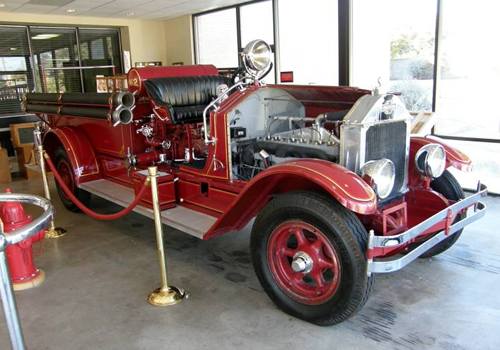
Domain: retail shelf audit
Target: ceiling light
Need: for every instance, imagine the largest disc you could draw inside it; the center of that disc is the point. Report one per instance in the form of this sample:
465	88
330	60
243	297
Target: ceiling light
13	48
2	5
131	13
70	10
45	36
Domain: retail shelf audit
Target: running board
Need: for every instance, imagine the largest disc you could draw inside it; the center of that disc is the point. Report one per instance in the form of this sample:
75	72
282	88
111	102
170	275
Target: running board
179	217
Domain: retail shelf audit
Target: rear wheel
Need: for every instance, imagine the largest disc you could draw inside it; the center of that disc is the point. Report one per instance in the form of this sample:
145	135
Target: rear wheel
309	255
449	187
64	168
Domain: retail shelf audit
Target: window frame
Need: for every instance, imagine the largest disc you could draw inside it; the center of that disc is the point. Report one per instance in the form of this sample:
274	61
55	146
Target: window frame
238	30
29	26
345	23
437	56
344	33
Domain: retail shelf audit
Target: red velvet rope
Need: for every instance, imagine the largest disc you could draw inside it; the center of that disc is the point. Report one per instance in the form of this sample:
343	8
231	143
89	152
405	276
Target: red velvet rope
86	210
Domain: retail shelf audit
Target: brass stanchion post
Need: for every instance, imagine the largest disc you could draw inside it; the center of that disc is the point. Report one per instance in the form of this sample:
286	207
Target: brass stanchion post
165	295
52	231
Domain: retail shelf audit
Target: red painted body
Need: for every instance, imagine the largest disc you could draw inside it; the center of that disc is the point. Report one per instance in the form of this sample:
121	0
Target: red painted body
454	158
97	151
19	256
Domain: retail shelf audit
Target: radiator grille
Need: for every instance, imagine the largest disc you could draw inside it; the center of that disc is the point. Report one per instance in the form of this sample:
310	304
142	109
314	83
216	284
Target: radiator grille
388	140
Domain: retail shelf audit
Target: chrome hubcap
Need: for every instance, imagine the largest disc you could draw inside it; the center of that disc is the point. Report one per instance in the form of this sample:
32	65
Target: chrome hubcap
302	263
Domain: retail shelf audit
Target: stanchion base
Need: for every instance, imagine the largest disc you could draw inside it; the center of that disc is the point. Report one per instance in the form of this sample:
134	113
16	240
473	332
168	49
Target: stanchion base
166	297
32	283
56	232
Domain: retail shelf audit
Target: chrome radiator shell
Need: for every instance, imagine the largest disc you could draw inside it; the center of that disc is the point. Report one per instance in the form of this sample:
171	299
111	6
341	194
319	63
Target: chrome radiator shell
366	136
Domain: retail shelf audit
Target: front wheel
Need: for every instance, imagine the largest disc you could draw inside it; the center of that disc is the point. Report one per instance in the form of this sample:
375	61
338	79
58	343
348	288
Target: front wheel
448	186
309	255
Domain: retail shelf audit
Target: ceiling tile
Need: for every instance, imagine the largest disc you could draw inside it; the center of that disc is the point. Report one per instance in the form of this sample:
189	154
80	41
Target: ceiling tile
56	3
29	8
147	9
12	4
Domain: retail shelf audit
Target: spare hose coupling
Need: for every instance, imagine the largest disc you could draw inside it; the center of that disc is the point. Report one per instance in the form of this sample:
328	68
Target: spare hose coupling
121	115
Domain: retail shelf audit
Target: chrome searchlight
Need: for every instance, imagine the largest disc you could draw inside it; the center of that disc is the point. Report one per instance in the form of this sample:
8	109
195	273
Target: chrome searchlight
256	57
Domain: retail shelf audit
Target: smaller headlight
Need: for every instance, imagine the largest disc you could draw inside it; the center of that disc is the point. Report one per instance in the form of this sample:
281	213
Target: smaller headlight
380	175
430	160
256	57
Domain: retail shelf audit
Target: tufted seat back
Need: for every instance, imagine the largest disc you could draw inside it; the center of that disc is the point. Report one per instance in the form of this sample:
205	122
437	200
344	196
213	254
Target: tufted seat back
185	97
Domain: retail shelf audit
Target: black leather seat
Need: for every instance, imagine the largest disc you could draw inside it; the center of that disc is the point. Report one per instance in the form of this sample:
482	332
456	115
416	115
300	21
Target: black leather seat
185	97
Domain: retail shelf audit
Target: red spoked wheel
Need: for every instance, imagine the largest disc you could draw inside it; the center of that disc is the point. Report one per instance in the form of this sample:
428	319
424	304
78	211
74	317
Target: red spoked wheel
303	262
308	252
65	169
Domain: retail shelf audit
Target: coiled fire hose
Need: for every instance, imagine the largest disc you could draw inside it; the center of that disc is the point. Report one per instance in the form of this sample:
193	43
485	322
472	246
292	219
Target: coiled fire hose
88	211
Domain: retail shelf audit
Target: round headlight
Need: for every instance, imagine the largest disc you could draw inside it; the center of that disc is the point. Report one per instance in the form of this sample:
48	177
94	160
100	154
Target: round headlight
430	160
380	175
256	56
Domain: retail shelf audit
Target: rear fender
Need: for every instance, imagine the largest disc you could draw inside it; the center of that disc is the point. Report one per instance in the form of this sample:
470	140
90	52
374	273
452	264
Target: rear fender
306	174
79	151
454	158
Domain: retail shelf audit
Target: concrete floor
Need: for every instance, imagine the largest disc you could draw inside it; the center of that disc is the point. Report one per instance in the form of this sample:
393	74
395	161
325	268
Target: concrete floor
99	275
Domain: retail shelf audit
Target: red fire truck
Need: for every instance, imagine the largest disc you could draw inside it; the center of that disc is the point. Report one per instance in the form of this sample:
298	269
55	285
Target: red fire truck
338	187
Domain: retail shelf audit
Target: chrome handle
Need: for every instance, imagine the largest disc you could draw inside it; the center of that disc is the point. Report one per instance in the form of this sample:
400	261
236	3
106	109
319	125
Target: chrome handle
208	139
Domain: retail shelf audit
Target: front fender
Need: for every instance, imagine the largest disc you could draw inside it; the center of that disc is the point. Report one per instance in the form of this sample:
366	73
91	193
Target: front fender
305	174
79	151
454	158
342	184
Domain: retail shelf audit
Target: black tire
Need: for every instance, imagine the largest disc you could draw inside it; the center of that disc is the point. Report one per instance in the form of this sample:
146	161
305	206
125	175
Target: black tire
449	187
62	160
346	235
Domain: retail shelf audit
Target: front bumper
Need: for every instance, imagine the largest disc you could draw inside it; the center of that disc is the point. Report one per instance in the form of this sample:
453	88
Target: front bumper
377	244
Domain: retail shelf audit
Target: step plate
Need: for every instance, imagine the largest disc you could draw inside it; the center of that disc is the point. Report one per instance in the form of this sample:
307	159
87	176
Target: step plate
179	217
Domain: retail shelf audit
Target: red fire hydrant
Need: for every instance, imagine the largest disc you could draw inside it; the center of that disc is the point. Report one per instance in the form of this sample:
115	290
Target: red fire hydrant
23	272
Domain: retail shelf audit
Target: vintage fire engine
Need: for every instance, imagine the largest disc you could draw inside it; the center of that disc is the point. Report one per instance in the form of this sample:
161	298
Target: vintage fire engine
338	187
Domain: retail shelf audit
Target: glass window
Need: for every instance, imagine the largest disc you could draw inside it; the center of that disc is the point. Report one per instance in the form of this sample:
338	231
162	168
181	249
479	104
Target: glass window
308	33
99	47
55	61
15	70
216	38
467	87
12	64
485	164
256	22
469	66
84	51
393	40
57	58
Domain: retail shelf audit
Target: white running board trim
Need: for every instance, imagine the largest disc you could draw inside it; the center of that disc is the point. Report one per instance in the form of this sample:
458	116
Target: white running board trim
179	217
